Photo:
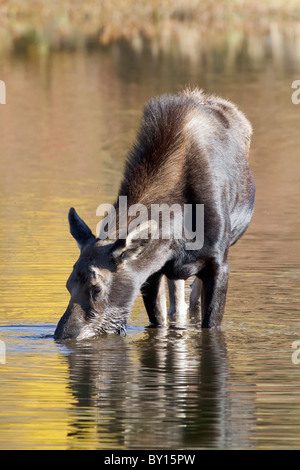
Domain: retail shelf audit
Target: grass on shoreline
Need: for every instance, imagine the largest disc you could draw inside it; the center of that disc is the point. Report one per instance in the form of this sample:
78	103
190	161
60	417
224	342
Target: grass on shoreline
65	22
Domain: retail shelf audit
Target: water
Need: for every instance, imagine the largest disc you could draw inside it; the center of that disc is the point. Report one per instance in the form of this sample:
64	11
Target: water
69	120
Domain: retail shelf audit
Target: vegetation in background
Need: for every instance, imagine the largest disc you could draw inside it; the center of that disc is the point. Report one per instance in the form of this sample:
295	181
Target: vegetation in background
72	23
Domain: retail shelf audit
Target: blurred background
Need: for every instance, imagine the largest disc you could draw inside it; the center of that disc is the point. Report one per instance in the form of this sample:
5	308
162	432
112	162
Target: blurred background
42	26
77	76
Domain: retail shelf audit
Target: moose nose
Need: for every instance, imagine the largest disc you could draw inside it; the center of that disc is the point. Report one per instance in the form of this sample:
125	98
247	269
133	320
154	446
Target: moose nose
69	326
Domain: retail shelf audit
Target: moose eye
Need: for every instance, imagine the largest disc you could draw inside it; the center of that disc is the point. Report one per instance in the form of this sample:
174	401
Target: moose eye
95	291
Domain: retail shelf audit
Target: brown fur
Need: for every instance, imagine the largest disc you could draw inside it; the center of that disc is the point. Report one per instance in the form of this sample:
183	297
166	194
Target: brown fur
191	148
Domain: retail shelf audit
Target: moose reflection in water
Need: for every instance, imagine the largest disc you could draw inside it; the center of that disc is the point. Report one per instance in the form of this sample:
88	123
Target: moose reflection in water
170	386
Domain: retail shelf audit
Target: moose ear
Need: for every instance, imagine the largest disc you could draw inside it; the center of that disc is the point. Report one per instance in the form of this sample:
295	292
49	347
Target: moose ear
78	228
136	241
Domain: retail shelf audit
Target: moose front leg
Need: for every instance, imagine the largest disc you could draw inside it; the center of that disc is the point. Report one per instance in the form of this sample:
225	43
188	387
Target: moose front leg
154	296
213	296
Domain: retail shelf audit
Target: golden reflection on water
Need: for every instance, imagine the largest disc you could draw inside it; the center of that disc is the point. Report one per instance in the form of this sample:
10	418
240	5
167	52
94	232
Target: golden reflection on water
64	132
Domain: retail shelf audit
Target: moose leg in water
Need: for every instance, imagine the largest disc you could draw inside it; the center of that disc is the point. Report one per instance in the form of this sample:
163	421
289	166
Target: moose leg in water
154	296
213	295
195	297
178	307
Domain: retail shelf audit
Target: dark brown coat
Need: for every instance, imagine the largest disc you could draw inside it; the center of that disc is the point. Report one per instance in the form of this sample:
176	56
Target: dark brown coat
191	149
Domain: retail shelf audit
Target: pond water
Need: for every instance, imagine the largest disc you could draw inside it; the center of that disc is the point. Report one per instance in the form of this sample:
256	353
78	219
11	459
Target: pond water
69	121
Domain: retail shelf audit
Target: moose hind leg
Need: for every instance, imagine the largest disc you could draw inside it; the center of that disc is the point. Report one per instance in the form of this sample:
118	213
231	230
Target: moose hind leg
195	297
213	297
178	306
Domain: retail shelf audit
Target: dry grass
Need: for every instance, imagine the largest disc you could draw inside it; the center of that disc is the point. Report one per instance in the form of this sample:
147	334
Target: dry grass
71	22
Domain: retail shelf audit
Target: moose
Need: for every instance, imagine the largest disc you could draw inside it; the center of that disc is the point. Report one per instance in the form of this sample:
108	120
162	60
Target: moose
192	148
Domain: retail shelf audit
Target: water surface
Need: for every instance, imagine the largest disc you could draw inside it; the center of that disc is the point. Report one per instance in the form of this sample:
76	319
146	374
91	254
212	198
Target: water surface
69	121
